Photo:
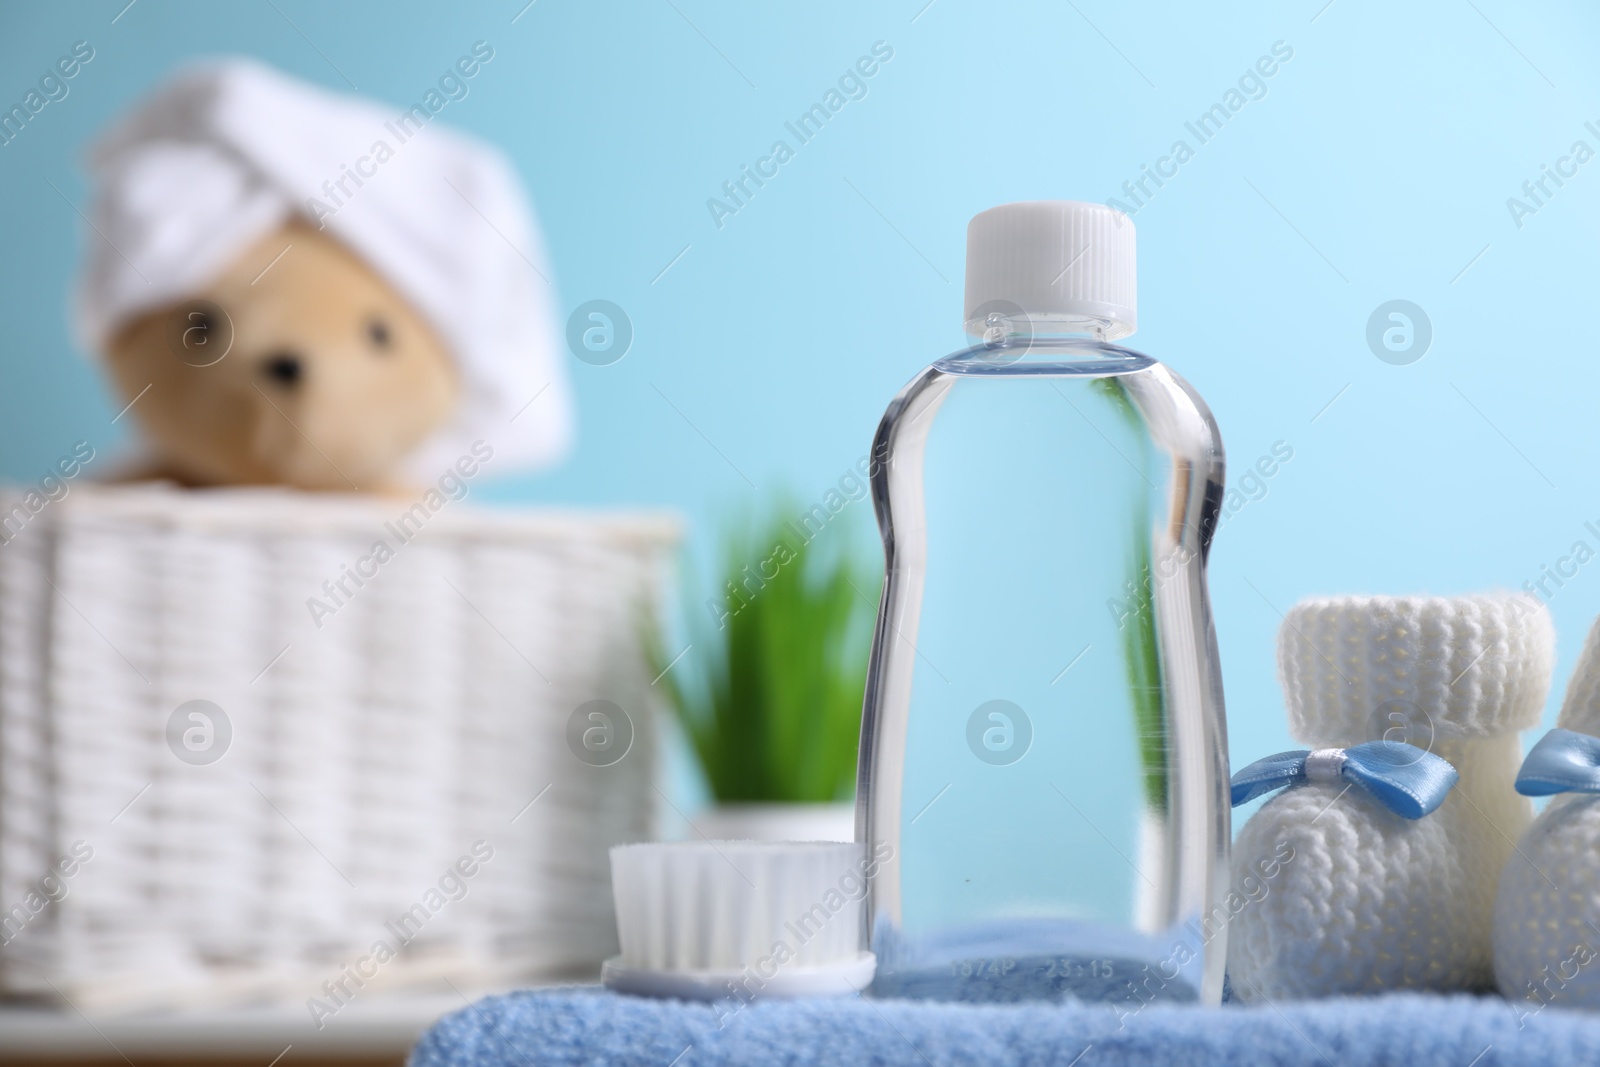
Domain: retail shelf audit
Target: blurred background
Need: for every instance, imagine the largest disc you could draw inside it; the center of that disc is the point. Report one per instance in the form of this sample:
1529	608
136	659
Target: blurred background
1395	154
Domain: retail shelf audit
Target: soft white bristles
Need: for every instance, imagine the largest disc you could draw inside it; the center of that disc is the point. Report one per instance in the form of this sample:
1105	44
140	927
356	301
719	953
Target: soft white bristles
726	905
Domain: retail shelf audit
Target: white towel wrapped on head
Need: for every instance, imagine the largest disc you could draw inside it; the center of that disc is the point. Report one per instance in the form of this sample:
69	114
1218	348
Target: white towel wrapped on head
230	150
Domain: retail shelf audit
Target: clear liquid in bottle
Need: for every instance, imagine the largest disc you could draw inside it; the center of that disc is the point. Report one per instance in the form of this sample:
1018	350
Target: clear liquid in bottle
1043	770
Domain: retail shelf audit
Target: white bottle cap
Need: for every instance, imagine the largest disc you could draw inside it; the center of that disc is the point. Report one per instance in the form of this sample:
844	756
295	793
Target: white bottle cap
1063	264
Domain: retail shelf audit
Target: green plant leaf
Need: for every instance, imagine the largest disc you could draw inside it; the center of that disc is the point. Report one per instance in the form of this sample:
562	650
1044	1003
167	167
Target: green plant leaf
769	694
1141	652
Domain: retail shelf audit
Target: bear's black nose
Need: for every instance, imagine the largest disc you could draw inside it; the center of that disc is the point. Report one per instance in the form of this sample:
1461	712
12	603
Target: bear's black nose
284	368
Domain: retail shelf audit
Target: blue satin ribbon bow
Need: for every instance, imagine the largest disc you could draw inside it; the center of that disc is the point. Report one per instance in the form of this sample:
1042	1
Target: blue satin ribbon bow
1564	761
1404	778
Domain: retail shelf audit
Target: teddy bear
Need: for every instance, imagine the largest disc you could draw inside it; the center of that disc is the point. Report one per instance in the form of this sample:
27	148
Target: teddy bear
309	372
293	287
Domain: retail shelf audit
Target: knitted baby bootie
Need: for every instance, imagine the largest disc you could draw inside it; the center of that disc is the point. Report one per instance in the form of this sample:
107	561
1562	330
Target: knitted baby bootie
1547	914
1371	872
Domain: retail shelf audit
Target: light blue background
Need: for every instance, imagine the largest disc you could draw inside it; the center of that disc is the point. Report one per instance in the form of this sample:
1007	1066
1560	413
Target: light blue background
1377	167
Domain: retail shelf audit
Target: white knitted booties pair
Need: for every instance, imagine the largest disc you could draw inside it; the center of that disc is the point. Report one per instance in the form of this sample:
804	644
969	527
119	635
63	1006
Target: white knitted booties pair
1547	915
1356	878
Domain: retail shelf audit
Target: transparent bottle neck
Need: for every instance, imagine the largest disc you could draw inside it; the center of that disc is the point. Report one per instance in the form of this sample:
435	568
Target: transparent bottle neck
999	328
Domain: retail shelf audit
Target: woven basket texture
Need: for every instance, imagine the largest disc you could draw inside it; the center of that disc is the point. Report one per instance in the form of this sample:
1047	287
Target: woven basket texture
370	750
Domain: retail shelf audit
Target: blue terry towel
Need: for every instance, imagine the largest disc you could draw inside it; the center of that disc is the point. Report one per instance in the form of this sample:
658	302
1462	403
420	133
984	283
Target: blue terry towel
560	1027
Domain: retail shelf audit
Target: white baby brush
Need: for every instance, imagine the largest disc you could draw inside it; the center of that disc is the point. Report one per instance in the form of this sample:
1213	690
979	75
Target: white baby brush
701	920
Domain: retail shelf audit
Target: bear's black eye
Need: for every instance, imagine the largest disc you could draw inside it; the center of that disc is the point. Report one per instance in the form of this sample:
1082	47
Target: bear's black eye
378	332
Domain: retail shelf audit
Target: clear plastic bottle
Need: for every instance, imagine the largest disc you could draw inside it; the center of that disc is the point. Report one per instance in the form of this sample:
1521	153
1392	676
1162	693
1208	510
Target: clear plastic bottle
1043	776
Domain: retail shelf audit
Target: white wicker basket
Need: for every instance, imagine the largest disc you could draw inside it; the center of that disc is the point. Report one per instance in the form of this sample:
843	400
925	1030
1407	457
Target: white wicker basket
367	755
